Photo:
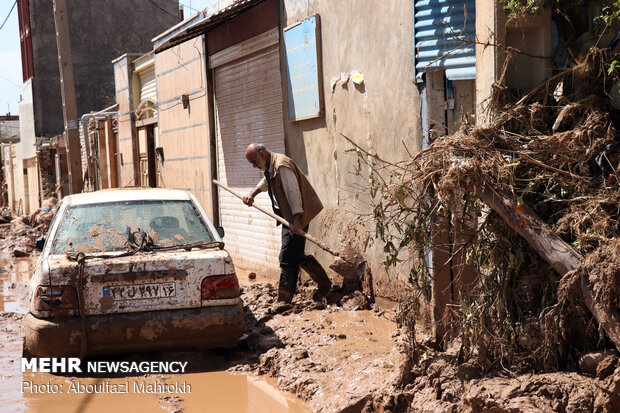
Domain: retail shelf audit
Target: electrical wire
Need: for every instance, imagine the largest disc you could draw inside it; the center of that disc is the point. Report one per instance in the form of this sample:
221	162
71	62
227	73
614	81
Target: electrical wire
11	82
164	10
189	7
185	5
7	16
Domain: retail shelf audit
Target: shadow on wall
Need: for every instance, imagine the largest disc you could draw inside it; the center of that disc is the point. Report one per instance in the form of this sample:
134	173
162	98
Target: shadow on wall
294	140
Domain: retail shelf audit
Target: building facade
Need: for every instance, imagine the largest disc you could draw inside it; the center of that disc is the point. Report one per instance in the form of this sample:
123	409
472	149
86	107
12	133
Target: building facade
222	82
314	80
9	136
100	31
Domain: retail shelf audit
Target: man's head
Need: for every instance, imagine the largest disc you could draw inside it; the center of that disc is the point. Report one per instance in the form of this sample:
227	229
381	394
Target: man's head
258	155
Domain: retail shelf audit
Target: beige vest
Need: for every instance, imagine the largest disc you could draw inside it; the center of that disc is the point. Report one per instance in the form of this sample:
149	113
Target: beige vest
310	201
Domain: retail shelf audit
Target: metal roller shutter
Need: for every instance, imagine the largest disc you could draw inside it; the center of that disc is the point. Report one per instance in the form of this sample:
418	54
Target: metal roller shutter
148	85
248	96
444	38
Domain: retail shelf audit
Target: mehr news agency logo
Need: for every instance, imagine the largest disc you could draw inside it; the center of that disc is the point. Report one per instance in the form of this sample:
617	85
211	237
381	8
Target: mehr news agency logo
73	365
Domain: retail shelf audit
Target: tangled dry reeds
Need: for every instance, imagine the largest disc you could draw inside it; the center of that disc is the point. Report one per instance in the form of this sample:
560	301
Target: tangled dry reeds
555	151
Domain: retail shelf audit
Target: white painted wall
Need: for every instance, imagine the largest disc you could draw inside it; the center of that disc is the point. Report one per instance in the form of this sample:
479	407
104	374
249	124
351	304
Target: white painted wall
25	149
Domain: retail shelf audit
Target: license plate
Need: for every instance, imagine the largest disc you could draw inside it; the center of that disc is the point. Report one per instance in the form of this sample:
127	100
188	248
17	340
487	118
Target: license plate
140	291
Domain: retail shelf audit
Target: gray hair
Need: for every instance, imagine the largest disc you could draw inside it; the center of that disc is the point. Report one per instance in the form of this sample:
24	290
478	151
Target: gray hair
259	147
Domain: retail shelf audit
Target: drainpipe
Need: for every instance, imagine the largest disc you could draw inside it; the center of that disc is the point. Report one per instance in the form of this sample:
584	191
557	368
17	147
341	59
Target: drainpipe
85	118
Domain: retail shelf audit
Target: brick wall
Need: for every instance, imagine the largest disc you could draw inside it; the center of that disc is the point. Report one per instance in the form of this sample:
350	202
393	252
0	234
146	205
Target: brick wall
45	160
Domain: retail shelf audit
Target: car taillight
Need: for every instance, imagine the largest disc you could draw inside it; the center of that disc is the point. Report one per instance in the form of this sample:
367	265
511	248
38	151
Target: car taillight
220	286
55	301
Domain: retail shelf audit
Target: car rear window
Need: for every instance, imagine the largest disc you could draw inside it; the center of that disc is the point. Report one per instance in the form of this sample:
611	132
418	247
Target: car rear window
106	226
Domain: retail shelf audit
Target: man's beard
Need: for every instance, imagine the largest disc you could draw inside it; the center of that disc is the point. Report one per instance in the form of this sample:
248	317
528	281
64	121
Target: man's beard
262	165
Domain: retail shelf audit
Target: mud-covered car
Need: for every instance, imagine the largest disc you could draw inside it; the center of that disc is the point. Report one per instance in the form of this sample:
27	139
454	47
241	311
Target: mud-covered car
132	270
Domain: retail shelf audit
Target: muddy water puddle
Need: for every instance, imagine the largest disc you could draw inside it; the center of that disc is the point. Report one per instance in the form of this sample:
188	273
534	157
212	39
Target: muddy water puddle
347	354
213	392
14	276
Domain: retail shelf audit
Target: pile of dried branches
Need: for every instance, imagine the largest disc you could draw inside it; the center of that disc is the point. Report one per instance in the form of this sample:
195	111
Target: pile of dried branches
556	151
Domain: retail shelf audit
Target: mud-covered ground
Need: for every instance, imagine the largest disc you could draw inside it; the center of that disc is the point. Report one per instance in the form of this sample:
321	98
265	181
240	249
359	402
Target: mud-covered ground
338	355
335	354
339	359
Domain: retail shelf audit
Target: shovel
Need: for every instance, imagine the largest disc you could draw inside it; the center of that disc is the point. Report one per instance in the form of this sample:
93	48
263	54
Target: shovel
283	222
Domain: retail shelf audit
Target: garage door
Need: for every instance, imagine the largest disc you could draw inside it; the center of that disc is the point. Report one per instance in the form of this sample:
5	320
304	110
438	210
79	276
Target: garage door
248	102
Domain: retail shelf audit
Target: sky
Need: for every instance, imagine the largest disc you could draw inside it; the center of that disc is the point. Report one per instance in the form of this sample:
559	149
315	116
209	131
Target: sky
10	55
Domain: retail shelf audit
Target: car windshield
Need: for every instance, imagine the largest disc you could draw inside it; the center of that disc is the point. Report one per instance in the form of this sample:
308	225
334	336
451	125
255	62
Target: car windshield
106	226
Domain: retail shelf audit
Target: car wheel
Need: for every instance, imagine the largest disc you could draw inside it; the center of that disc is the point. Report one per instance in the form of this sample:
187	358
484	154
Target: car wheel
25	352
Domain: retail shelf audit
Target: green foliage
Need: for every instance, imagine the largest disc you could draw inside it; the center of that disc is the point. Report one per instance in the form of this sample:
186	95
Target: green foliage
521	7
518	8
610	14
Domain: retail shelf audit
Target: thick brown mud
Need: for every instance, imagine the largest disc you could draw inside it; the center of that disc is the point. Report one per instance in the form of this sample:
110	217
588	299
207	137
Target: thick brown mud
217	392
204	389
15	274
338	355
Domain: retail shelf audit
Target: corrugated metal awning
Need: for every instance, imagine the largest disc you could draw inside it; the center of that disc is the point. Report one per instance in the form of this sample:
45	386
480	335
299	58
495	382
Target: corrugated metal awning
444	37
199	24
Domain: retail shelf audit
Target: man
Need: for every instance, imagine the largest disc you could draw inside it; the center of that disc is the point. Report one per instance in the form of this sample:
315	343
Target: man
294	199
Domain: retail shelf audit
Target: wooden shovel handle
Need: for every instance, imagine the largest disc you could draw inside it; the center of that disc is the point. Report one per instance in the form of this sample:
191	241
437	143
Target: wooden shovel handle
280	220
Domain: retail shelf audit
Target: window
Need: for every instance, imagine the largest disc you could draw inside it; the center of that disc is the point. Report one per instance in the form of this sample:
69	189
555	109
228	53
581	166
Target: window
106	226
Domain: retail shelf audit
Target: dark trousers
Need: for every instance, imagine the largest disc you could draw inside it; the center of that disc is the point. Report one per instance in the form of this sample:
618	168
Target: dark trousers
291	256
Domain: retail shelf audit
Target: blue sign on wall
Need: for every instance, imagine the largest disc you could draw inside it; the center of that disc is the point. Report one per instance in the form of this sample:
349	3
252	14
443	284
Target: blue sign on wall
302	69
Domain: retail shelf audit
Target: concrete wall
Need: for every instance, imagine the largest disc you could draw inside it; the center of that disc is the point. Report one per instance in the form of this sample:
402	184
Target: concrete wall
100	30
531	35
382	115
9	132
487	63
9	128
32	198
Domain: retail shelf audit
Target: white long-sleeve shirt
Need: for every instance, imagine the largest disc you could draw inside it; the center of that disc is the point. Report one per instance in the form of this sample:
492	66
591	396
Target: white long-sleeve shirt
291	188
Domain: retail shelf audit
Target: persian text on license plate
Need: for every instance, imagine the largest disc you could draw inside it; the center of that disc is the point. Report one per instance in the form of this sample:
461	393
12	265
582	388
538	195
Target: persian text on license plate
139	291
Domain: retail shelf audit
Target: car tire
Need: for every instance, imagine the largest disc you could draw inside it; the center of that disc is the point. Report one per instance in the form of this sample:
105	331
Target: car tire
25	352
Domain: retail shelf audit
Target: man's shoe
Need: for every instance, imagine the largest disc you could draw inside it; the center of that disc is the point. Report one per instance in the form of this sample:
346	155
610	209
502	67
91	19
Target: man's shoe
285	296
316	272
321	292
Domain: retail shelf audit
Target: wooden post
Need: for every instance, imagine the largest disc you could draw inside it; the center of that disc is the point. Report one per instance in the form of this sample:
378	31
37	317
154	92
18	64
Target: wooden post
67	87
102	159
215	203
150	156
112	152
436	96
441	267
443	282
135	148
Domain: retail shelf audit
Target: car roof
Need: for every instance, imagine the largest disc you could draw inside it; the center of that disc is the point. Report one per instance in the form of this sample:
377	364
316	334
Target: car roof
128	194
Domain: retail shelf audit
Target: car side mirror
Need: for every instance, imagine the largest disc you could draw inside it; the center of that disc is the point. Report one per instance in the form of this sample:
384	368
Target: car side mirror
220	231
40	243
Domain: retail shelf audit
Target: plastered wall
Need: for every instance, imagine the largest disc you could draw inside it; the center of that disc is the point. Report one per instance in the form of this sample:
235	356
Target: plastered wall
381	115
